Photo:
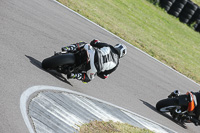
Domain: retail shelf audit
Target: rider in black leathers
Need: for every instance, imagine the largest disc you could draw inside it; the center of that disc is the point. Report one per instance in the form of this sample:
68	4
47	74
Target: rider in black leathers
103	59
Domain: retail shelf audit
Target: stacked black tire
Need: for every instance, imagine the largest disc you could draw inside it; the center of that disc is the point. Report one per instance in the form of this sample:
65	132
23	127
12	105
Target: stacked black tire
187	11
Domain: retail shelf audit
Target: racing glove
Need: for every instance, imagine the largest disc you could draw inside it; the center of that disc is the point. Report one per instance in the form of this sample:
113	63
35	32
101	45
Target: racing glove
71	48
76	76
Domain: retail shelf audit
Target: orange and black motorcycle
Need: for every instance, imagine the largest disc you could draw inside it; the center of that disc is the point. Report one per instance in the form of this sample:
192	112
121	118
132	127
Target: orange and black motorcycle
183	108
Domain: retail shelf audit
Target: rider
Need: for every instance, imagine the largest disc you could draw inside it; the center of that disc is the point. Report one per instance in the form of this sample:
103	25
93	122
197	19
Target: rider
103	59
193	107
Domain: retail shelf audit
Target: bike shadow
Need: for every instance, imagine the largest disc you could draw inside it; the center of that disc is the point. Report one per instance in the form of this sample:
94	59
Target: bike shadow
54	73
163	114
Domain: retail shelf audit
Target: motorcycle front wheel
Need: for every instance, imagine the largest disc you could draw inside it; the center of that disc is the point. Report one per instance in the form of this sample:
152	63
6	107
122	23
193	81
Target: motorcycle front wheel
58	60
166	105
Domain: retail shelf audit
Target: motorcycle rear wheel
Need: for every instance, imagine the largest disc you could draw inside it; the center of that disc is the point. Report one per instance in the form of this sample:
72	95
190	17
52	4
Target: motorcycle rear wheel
166	105
58	60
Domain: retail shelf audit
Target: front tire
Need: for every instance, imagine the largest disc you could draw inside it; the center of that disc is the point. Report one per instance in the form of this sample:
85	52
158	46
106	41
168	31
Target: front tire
58	60
166	105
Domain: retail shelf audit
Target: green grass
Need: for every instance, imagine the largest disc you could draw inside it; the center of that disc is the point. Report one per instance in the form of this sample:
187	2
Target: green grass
147	27
110	127
197	2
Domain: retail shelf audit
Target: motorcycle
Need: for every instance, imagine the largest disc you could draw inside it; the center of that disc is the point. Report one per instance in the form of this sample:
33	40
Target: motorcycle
67	63
177	106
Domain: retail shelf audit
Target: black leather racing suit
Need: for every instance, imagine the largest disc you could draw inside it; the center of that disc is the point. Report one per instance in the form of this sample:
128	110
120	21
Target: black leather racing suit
106	59
103	59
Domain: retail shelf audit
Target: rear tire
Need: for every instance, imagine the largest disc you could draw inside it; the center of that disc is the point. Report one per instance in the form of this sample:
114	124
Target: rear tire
166	105
58	60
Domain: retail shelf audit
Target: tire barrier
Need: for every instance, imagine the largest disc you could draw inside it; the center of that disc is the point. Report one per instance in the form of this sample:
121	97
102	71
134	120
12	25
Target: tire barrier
197	26
177	7
187	11
166	4
195	17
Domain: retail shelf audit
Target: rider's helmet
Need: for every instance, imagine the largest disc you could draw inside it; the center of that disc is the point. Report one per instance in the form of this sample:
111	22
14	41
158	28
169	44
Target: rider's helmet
121	49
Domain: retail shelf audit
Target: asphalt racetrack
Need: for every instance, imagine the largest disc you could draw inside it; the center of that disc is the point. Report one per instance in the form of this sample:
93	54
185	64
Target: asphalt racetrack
32	30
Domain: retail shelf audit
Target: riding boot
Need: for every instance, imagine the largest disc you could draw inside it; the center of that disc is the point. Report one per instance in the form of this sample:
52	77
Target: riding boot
75	76
174	94
74	47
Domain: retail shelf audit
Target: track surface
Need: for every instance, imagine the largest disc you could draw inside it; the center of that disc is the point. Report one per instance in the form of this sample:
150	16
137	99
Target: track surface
31	30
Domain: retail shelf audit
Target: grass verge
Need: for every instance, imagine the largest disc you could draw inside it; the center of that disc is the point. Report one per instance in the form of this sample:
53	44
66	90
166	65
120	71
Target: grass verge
110	127
196	2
